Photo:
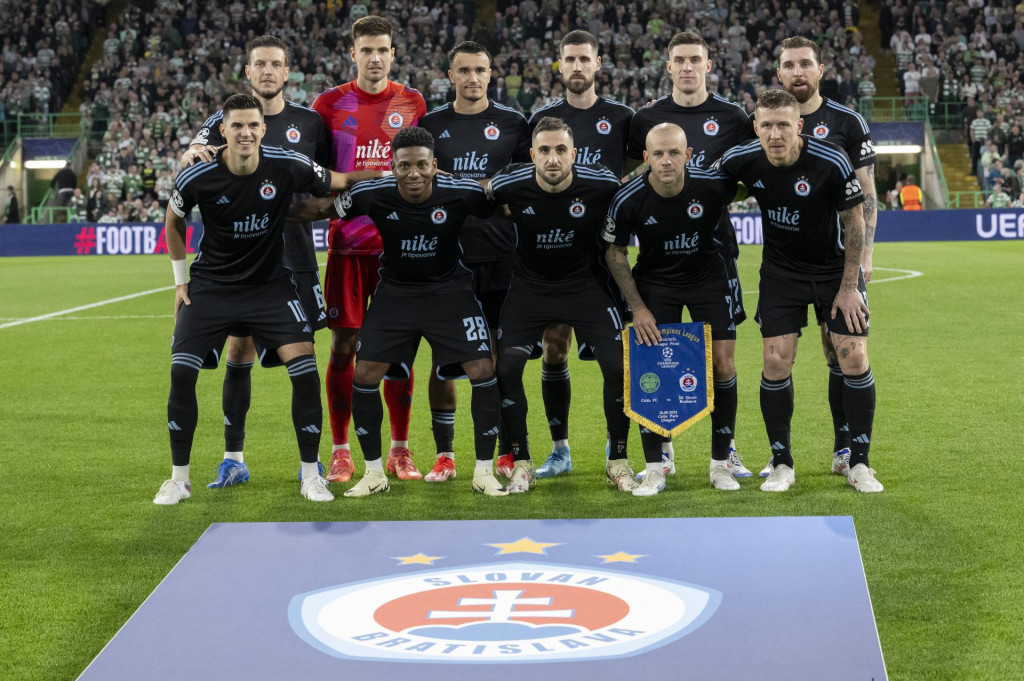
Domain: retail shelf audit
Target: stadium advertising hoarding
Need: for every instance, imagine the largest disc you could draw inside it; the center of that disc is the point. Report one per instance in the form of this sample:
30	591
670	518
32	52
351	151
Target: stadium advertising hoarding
146	238
136	238
925	225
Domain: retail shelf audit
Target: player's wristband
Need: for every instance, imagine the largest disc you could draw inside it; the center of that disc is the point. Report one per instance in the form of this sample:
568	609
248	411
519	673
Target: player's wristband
180	269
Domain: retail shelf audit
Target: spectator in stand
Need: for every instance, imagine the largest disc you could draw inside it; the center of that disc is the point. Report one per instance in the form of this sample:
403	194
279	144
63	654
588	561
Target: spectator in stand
77	207
998	198
977	134
12	215
94	200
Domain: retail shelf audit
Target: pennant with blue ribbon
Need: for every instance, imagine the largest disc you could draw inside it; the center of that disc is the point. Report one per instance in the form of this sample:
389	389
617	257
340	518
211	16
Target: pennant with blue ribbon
669	386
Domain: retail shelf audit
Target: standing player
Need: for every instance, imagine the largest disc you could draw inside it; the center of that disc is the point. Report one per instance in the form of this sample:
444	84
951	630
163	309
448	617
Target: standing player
474	139
712	125
362	117
425	292
810	203
292	127
558	208
674	213
600	130
800	70
239	282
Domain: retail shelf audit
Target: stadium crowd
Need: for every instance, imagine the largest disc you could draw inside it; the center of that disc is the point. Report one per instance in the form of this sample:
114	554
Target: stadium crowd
167	65
43	46
967	59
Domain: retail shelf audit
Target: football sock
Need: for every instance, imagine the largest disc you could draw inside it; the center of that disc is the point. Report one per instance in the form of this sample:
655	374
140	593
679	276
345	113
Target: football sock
442	421
398	396
556	389
651	442
235	456
609	358
340	370
235	399
345	446
559	444
180	473
723	418
486	409
182	406
859	401
513	398
618	451
504	447
368	414
777	410
667	448
307	410
309	469
836	381
483	464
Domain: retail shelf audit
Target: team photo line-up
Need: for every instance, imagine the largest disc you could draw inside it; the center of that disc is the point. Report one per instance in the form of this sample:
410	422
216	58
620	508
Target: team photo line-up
495	238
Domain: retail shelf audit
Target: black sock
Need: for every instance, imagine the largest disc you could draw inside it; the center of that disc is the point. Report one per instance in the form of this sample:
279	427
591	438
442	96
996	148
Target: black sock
307	412
367	416
442	422
859	401
609	358
777	410
235	403
651	442
836	381
513	399
556	389
504	445
486	408
723	418
182	406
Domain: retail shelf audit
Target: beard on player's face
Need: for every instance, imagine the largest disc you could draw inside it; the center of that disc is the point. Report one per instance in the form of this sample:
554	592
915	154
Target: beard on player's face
267	93
578	84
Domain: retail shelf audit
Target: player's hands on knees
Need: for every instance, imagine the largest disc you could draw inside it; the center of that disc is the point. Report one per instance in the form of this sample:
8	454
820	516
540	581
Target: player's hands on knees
646	327
180	297
855	311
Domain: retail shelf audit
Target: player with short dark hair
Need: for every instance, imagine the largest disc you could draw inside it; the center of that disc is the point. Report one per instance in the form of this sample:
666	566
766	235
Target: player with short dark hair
712	125
674	213
362	117
425	292
474	138
800	70
292	127
558	208
813	226
600	130
239	283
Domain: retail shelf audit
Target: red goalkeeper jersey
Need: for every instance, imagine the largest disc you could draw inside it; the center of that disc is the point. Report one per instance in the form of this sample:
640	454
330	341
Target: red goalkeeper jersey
360	126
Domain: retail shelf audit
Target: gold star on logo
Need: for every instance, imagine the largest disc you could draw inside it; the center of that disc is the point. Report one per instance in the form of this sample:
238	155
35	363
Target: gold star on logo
524	545
418	559
621	557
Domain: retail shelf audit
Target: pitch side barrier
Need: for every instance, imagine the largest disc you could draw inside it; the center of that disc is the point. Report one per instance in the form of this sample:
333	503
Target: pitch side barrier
141	238
135	238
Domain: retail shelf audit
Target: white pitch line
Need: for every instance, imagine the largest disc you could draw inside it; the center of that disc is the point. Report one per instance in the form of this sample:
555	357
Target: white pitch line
101	303
909	274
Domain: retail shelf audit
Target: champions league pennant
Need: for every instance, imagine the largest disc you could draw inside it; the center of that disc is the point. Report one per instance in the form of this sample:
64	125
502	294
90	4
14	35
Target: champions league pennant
668	386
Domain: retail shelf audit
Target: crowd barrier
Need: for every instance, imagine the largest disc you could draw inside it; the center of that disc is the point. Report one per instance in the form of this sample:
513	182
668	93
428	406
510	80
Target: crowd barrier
144	238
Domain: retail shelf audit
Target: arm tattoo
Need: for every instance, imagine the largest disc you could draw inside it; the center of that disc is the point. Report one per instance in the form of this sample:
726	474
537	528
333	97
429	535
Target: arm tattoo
618	265
853	221
870	209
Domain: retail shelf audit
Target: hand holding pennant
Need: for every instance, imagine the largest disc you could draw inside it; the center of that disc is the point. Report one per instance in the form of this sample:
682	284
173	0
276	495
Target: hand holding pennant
669	387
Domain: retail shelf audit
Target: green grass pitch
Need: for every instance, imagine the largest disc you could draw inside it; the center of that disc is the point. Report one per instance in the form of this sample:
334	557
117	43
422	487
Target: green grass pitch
84	449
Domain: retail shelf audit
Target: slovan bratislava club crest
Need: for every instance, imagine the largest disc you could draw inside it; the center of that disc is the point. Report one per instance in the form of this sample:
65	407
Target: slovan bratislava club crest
501	612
